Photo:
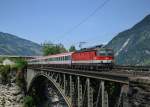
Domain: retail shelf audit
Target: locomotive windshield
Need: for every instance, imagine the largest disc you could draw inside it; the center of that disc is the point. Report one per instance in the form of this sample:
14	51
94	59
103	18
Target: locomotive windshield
105	52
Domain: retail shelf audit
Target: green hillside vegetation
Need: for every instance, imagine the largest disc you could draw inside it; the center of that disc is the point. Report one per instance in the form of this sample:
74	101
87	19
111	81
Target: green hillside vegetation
132	47
13	45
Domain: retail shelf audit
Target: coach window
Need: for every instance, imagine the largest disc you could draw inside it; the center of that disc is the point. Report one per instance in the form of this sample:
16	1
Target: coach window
65	57
68	57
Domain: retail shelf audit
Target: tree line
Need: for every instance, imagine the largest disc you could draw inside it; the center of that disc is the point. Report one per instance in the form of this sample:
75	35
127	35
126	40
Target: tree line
51	49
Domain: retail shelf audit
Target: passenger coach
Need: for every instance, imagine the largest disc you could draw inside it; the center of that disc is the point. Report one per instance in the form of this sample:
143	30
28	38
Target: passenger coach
89	58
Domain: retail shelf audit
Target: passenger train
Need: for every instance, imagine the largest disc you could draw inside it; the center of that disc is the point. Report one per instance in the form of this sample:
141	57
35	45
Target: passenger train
86	58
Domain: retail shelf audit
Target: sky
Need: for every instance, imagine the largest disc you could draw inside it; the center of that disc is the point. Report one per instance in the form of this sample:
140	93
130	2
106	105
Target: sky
49	20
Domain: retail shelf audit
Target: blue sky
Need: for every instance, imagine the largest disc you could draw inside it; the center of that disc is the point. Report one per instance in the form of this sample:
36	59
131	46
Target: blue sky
48	20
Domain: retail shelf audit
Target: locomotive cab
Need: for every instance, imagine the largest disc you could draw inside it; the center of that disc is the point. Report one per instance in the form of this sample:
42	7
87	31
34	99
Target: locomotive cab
104	55
105	52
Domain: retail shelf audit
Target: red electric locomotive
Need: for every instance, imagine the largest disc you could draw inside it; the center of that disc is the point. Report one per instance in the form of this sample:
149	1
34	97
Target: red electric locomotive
93	58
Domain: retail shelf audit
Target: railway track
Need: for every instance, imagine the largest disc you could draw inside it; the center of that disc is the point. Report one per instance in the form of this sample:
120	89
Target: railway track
131	68
117	70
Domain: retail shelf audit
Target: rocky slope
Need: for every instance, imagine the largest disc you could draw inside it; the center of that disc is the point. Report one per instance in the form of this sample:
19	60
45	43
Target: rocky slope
13	45
132	47
139	92
11	96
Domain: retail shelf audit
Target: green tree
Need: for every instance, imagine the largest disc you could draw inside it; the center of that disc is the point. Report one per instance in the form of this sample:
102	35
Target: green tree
72	48
50	49
20	64
5	74
29	102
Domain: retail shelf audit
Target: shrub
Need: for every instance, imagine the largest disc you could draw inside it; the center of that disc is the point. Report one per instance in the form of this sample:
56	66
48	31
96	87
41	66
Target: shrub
28	102
5	74
20	80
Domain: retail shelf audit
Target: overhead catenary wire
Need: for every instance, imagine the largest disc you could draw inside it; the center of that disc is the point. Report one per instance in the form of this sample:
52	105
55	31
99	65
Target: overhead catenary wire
85	19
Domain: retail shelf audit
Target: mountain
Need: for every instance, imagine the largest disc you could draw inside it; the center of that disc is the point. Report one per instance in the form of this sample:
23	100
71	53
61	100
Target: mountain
13	45
132	46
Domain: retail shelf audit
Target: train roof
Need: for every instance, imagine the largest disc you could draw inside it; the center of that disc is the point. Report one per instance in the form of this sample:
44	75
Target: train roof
92	49
61	54
50	56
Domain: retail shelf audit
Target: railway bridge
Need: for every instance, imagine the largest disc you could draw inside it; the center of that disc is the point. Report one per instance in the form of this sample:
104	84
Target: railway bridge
81	87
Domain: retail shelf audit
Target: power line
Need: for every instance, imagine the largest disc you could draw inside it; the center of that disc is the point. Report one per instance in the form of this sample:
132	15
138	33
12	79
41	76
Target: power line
85	19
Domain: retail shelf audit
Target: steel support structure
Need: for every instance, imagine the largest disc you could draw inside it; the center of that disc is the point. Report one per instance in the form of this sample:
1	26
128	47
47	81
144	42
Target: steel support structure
64	87
104	95
79	86
78	90
89	94
71	89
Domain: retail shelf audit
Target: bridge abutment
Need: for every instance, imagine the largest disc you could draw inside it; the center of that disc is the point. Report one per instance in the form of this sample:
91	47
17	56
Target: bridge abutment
139	92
